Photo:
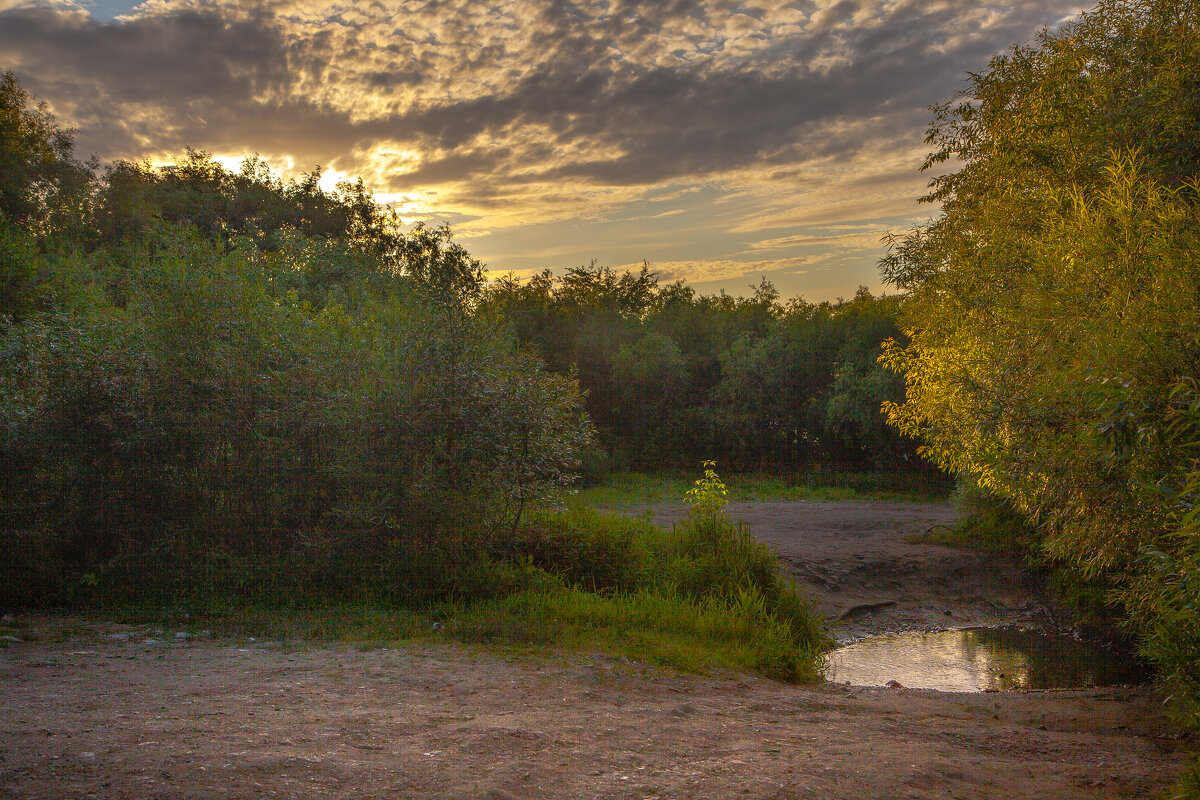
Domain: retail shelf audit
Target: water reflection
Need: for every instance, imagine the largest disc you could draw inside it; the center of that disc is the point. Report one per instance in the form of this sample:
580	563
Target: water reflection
978	659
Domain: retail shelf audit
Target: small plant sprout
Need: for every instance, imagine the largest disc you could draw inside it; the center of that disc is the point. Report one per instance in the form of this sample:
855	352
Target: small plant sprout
708	496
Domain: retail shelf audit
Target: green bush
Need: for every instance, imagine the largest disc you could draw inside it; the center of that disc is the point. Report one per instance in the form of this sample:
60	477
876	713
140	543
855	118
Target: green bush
704	558
200	411
1054	307
600	552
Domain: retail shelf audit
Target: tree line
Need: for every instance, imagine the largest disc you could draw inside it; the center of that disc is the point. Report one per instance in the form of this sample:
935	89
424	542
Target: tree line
220	367
673	377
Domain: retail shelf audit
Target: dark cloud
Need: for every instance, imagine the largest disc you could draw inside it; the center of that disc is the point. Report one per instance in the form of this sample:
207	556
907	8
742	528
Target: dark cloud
161	60
164	77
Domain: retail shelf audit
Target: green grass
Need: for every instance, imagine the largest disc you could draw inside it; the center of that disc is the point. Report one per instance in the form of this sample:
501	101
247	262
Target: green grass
668	630
366	623
671	631
622	490
309	619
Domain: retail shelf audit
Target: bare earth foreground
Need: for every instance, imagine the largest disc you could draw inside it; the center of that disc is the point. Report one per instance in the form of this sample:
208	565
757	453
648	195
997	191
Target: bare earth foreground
102	713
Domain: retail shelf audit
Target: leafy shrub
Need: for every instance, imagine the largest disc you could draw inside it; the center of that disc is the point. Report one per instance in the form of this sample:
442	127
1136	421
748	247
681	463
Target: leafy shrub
709	495
1164	596
208	413
600	552
704	558
1055	307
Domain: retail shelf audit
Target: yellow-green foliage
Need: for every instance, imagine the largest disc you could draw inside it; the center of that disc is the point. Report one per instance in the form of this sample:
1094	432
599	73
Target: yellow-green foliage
1054	306
708	496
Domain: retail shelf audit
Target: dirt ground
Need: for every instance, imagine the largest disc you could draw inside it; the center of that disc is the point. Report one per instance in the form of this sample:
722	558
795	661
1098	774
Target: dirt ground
858	563
102	712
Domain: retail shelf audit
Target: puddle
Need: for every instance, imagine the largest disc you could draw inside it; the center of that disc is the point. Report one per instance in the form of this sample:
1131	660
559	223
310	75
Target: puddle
978	659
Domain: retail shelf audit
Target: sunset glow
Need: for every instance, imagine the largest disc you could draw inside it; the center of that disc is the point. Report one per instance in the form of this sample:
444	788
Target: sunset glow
721	141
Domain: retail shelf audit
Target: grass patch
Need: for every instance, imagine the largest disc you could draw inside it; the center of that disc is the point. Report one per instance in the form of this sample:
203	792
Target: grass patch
623	490
238	619
702	595
364	622
668	630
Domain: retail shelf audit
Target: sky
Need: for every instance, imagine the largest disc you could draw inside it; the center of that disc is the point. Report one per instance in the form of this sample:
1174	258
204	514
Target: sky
721	141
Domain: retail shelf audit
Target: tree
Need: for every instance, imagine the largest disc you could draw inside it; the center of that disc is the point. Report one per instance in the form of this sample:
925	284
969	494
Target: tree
41	183
43	191
135	198
673	377
229	369
1054	305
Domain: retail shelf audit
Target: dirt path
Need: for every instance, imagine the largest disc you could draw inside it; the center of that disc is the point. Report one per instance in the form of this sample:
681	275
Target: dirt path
102	713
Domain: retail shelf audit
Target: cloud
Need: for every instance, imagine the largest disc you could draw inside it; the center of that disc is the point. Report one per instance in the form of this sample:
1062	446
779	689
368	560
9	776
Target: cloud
492	115
700	271
841	241
463	82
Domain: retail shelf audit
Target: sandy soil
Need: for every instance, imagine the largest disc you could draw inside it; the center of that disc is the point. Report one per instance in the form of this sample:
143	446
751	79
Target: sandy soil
99	712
